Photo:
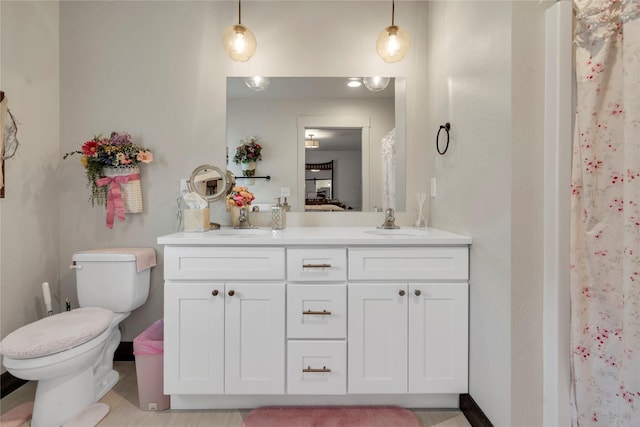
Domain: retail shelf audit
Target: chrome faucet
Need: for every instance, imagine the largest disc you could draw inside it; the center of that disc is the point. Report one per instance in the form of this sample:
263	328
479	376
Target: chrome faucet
389	220
244	219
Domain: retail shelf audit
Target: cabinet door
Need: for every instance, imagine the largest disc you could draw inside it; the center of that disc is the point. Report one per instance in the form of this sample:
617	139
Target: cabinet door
438	338
193	338
377	338
254	338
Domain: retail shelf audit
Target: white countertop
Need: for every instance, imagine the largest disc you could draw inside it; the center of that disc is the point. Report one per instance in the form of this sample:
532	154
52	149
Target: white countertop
351	236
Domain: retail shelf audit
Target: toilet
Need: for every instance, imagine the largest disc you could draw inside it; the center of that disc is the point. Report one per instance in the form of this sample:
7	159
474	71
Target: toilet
70	354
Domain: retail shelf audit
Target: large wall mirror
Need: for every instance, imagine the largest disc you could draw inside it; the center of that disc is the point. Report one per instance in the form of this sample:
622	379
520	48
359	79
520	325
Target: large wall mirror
322	142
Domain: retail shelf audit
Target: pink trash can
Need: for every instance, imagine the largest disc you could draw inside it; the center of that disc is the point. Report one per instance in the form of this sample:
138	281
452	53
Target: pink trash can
148	348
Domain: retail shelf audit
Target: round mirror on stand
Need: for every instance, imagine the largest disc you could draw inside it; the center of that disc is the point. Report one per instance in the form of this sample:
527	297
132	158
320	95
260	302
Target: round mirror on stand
211	183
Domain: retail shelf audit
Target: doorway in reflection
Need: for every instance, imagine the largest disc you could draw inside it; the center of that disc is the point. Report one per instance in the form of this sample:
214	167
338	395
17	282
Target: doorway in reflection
333	169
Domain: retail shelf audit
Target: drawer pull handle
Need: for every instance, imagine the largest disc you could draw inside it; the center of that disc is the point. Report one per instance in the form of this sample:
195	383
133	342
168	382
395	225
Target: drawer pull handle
232	293
214	292
418	292
310	369
316	265
401	293
317	313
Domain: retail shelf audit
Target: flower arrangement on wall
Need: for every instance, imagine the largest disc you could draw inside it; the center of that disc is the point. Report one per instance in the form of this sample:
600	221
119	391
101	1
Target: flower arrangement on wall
112	172
247	154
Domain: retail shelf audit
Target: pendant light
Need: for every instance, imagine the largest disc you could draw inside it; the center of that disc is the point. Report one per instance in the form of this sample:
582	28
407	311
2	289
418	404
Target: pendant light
393	41
238	40
311	143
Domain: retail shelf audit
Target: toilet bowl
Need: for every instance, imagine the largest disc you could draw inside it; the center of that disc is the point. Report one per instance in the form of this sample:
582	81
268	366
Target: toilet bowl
70	354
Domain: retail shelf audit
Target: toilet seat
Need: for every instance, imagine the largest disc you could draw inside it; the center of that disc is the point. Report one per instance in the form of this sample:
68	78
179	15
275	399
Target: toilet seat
56	333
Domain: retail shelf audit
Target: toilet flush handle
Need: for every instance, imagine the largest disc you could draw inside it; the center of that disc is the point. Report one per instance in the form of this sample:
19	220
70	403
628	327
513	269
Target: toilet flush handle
76	266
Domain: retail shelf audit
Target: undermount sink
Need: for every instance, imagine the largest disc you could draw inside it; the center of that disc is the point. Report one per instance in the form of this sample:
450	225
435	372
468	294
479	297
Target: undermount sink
241	232
396	232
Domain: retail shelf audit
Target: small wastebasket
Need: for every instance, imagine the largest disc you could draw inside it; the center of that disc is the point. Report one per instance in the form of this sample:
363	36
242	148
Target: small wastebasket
148	349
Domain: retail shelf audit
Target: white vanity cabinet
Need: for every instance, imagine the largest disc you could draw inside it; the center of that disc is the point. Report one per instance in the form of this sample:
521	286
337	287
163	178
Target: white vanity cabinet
408	320
315	316
224	333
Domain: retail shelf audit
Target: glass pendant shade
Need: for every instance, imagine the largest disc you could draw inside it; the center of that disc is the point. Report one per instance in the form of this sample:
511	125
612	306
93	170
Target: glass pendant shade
257	83
376	84
393	43
239	42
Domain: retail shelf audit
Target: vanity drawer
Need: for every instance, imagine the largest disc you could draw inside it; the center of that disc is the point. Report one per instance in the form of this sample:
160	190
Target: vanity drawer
432	263
317	265
223	263
316	311
317	367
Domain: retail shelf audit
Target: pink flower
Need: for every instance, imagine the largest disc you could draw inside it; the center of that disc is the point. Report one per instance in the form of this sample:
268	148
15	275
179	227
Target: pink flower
145	157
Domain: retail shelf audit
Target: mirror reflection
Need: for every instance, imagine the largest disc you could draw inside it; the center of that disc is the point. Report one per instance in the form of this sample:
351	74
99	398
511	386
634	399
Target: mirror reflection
210	182
347	125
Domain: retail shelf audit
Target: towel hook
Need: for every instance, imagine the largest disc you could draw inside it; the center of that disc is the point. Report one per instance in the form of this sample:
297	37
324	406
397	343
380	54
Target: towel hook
446	127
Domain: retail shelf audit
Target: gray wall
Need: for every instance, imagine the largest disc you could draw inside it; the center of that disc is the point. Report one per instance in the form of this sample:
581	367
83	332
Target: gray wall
490	187
29	213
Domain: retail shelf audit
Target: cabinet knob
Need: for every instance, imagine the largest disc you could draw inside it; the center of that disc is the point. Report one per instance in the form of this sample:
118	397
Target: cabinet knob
418	292
401	293
232	293
214	292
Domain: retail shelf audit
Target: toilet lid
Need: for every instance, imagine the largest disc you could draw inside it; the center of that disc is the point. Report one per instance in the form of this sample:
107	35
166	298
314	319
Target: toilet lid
56	333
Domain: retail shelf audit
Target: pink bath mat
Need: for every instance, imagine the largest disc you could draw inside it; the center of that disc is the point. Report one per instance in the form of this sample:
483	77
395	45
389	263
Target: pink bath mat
339	416
90	417
17	416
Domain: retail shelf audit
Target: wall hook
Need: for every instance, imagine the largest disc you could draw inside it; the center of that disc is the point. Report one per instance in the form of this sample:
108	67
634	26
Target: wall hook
446	127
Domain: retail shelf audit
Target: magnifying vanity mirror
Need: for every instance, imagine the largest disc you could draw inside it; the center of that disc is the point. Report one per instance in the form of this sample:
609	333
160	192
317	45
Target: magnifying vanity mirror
306	121
210	182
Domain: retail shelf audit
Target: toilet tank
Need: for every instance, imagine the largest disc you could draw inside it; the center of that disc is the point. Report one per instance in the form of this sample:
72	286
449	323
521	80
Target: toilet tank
110	280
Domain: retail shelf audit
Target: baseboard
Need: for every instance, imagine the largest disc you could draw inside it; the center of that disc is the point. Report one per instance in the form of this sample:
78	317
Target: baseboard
9	383
472	412
124	352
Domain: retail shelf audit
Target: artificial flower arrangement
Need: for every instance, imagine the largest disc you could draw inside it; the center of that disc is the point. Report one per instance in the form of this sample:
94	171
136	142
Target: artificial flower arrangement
117	151
248	154
249	151
239	197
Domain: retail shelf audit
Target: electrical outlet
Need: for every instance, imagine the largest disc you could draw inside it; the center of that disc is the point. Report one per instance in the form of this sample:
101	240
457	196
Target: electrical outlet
153	406
434	190
285	192
184	186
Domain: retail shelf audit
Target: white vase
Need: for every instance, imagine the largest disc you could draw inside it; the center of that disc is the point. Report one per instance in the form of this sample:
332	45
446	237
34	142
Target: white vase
249	169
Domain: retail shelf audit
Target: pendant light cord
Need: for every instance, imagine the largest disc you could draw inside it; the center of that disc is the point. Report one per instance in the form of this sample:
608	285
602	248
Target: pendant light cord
393	12
239	13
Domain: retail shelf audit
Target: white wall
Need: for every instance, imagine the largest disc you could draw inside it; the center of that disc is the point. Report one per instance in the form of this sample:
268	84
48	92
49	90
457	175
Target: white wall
29	224
490	187
157	70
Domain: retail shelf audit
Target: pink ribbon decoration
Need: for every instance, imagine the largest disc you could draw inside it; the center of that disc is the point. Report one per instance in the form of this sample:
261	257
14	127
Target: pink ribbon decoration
115	204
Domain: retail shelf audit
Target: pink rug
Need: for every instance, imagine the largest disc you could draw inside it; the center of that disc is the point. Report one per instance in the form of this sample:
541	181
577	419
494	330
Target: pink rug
17	415
356	416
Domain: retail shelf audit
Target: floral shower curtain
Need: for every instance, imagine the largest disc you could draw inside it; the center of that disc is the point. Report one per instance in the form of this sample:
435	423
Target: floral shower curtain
605	217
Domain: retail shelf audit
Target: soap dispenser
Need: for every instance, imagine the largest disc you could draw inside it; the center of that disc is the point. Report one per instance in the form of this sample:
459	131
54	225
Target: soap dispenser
278	216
